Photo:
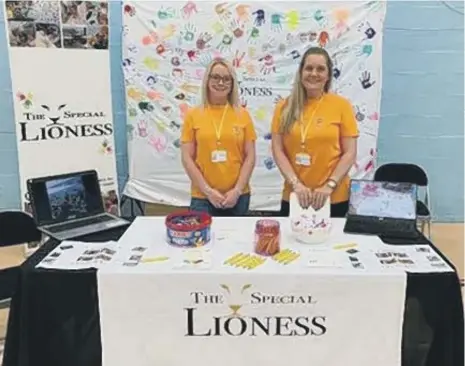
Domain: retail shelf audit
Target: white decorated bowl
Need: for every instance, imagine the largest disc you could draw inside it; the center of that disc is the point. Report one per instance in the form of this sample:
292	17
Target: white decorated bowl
307	225
306	234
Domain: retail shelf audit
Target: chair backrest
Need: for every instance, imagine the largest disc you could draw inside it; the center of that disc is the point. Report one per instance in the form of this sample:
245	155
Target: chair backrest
402	173
17	227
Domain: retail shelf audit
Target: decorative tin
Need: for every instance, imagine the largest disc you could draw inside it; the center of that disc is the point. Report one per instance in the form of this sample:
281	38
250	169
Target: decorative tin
188	229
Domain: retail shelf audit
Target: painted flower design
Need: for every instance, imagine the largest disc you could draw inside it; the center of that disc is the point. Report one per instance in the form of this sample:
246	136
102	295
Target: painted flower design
106	148
25	99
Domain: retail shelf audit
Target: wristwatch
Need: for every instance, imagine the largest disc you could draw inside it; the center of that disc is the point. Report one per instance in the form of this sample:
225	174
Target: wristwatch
331	183
294	181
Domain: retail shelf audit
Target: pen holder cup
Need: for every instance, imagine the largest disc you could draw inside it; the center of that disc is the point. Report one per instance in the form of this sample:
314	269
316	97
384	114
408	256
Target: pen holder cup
267	237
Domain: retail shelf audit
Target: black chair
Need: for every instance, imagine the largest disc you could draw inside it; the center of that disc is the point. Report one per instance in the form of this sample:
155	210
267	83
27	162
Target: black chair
16	228
409	173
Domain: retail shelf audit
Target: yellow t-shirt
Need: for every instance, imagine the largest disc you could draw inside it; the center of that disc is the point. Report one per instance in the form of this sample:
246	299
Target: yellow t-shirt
333	118
199	127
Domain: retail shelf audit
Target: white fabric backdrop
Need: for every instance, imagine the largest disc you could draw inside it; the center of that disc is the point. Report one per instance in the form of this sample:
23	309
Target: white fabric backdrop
165	51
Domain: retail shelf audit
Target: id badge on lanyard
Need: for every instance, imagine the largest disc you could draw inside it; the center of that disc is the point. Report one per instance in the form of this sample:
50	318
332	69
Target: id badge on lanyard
303	159
219	156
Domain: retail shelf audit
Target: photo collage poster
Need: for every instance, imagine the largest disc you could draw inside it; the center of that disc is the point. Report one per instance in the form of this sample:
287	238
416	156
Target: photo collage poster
60	72
167	46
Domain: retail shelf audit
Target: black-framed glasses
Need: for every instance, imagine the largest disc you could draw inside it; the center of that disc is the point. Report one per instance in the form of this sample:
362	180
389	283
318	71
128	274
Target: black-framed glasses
217	78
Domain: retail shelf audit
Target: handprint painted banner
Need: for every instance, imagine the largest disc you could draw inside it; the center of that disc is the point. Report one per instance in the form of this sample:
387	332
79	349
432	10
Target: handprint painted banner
168	46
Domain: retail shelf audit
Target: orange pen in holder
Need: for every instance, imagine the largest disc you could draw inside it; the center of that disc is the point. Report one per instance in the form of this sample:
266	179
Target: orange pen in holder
267	237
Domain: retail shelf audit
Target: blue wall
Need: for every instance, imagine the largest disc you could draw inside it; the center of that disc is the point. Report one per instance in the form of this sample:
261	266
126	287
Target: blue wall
422	113
422	110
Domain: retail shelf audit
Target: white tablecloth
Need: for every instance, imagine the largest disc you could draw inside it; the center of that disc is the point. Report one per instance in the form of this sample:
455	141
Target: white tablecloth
326	312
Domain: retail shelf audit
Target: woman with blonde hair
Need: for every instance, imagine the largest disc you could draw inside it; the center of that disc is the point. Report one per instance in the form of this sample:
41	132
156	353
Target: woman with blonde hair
314	138
218	145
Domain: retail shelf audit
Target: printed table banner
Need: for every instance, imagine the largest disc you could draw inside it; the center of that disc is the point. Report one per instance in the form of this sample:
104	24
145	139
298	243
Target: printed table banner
167	47
60	73
203	319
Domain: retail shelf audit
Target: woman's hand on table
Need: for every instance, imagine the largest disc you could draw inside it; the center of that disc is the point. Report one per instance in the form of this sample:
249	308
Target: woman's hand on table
230	198
304	195
320	195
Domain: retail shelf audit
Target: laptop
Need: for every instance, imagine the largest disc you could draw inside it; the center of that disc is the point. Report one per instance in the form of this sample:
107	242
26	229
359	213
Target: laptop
384	209
70	205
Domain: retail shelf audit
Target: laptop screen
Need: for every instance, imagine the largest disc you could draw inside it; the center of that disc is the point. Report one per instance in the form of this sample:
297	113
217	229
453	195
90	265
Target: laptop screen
383	199
62	198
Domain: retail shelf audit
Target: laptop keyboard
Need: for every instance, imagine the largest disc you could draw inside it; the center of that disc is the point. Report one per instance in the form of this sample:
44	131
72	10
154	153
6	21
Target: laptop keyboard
395	229
81	223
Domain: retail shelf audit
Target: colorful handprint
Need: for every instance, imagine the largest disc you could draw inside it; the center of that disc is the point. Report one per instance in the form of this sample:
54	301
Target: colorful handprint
130	131
154	95
167	13
151	38
320	17
237	60
158	142
367	30
217	27
142	129
129	10
292	20
243	13
237	28
189	88
267	64
365	49
259	17
323	39
225	44
374	116
223	12
135	94
250	68
189	9
276	20
188	34
151	63
203	41
261	113
254	35
366	81
168	32
269	45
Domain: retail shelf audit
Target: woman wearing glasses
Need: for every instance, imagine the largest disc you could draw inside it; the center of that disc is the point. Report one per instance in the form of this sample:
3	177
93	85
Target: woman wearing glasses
218	146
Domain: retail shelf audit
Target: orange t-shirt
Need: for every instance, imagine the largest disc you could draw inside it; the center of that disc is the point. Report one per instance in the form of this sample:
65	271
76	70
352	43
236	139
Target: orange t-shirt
333	118
237	128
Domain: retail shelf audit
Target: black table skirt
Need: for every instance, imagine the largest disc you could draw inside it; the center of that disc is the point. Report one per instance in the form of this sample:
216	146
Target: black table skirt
54	317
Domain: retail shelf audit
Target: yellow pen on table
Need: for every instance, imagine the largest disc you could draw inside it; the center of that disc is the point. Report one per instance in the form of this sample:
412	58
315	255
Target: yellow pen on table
232	259
255	262
242	261
155	259
286	256
291	258
345	246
